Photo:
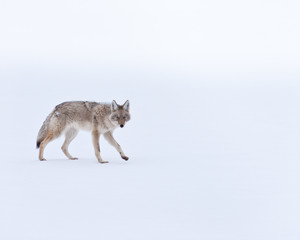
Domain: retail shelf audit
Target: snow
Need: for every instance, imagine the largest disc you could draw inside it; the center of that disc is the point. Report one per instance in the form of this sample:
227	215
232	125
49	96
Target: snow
213	140
217	164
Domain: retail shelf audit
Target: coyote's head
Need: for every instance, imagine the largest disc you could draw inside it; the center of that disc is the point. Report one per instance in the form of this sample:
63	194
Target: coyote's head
119	113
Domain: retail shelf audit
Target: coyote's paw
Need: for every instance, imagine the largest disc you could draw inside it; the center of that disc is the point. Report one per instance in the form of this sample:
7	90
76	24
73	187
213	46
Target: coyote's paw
125	158
74	158
103	161
43	159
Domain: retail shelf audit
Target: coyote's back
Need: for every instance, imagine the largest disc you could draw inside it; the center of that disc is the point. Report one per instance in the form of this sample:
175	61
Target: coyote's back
64	114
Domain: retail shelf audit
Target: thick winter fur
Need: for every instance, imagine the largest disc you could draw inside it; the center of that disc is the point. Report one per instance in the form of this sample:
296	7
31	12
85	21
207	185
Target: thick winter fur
70	117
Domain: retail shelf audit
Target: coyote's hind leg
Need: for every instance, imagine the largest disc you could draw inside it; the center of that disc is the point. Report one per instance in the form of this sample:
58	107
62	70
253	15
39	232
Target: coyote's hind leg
69	136
48	138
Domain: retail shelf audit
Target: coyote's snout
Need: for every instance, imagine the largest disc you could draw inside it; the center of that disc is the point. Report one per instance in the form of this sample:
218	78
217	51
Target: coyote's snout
70	117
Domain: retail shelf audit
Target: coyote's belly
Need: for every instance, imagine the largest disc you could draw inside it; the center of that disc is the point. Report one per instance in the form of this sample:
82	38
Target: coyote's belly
84	125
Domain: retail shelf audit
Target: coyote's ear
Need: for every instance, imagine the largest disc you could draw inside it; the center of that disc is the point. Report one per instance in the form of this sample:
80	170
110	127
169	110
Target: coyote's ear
114	106
126	106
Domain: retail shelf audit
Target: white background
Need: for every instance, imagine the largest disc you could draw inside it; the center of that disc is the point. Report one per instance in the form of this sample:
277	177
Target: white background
214	137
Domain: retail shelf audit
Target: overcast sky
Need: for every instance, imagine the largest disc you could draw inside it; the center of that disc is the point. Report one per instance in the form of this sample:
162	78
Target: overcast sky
200	38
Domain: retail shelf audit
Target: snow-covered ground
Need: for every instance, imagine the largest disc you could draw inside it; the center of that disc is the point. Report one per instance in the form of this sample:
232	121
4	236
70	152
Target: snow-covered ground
215	131
206	162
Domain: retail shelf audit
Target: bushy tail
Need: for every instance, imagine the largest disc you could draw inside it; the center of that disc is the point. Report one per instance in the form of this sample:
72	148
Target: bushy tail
44	130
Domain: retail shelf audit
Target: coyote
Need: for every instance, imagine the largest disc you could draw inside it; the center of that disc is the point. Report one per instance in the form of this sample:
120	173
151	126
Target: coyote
70	117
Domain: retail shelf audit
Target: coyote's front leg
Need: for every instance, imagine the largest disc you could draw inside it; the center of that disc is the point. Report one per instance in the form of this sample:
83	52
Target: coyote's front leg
109	137
95	137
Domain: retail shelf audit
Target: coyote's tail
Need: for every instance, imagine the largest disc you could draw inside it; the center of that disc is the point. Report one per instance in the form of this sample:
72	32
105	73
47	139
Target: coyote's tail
44	130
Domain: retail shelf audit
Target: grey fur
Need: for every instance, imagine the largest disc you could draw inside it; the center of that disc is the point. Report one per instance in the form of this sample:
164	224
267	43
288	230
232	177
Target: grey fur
70	117
44	130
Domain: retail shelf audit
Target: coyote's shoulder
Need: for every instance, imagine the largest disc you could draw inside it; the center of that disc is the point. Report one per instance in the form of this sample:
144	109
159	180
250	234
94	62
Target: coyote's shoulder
70	117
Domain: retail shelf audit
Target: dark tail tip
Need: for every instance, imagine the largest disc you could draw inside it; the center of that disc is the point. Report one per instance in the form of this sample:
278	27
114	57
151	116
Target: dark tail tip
38	144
